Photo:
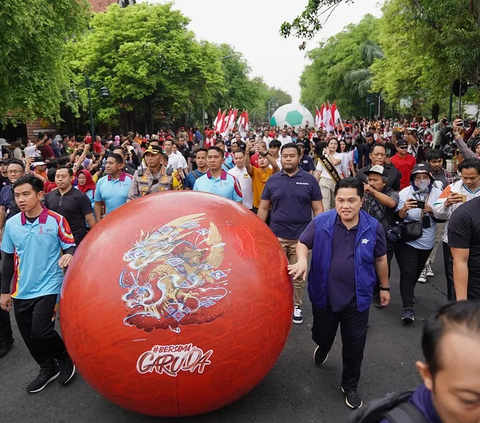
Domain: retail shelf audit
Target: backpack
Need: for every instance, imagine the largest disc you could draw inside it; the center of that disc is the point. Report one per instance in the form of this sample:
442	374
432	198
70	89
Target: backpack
394	407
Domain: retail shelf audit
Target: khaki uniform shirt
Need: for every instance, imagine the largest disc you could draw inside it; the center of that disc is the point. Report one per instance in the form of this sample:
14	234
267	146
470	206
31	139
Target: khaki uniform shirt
148	183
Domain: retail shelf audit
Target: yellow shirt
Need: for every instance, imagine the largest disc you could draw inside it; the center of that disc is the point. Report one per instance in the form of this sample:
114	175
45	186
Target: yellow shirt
259	179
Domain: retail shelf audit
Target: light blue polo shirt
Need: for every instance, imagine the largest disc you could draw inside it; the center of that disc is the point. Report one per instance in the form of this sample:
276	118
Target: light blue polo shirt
226	185
113	192
37	248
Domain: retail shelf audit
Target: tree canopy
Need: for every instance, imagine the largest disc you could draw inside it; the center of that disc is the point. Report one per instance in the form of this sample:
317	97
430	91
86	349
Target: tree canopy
156	61
416	50
344	54
427	45
33	73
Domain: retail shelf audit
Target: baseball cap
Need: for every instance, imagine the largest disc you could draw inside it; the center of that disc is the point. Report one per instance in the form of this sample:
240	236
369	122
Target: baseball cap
422	168
153	149
402	142
35	164
377	169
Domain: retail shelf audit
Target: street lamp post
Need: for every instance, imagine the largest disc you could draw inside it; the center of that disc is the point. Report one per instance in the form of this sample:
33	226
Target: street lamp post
269	104
90	111
103	93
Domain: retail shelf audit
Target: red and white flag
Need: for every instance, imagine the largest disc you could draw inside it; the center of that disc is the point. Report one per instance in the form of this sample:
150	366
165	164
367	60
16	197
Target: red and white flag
318	118
337	119
220	123
326	118
333	109
225	121
219	115
229	122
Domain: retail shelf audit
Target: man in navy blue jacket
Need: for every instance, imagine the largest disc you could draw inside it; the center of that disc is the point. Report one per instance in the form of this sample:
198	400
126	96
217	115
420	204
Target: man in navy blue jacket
348	252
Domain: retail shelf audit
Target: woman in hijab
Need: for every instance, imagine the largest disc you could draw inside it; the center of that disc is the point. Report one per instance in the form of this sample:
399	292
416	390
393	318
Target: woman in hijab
56	146
86	185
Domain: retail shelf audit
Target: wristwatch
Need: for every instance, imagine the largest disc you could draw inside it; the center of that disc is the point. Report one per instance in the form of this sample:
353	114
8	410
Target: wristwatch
384	289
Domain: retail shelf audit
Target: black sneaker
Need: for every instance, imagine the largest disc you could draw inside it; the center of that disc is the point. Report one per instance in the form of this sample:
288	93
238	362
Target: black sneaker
297	315
319	358
408	315
43	379
67	370
352	399
5	347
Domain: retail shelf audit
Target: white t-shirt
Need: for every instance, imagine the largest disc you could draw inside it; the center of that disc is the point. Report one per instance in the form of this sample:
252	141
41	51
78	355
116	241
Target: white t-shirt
325	173
177	161
284	140
245	182
427	241
30	151
346	157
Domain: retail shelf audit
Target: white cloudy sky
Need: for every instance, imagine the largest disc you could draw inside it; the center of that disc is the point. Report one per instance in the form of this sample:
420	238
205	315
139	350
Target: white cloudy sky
252	28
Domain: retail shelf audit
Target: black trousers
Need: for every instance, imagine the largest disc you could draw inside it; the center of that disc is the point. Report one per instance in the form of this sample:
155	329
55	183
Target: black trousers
36	323
448	268
5	326
353	329
411	262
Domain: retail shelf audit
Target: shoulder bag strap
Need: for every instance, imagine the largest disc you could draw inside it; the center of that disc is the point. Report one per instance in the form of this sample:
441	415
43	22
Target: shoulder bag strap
405	413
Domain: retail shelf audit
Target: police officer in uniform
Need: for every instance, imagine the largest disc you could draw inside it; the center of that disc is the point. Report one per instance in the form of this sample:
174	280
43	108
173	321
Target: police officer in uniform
156	177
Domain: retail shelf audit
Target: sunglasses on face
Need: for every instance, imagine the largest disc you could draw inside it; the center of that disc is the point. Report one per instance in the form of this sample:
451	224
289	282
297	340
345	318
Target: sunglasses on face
402	148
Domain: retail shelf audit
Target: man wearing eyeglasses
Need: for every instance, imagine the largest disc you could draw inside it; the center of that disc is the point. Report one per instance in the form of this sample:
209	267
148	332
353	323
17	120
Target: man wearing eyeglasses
404	162
378	157
71	203
8	207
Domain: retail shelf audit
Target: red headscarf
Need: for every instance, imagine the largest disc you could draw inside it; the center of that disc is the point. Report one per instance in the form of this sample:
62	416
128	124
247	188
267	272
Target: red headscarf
89	184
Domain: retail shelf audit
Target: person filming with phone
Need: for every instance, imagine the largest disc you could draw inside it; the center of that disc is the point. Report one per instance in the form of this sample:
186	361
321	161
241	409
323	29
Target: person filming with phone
415	210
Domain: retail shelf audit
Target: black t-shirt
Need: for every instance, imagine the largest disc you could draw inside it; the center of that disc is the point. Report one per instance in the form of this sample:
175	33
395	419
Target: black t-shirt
4	181
365	152
464	233
394	176
73	206
306	163
192	157
185	151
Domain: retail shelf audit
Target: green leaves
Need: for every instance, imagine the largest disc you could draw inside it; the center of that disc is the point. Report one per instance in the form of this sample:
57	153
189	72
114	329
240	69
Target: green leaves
340	68
145	54
427	45
33	74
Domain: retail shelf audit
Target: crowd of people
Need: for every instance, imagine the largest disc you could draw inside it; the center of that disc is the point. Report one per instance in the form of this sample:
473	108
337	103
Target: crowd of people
352	199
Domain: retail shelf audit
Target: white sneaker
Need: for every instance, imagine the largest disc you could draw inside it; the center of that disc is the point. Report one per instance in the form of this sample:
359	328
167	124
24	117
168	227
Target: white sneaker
297	315
423	276
430	273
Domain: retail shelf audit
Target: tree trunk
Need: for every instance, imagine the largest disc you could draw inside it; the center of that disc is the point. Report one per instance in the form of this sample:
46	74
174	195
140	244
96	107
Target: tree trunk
435	112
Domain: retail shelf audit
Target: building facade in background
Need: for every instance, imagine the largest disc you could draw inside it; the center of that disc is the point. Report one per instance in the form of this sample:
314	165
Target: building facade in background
101	5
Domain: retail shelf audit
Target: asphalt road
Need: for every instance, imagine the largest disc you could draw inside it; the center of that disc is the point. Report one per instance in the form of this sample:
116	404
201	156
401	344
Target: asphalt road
294	391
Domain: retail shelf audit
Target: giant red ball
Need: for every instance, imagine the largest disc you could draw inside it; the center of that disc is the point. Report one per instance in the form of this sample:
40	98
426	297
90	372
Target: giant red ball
177	304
